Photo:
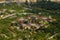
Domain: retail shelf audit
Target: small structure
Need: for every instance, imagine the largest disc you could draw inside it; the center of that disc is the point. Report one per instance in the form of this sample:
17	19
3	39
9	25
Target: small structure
13	23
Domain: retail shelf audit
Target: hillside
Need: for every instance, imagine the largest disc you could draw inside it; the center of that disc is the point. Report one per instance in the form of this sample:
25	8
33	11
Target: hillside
30	22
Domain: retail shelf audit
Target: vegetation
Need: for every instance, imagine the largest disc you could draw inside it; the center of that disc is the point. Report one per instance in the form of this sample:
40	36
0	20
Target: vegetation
9	30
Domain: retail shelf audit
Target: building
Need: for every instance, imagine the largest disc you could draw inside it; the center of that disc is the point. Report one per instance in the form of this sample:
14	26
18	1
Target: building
22	1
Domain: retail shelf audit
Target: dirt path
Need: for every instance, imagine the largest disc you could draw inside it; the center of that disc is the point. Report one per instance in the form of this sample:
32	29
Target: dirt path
10	15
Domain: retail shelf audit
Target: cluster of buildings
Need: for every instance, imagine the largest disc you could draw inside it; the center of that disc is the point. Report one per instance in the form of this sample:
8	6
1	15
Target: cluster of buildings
22	1
32	22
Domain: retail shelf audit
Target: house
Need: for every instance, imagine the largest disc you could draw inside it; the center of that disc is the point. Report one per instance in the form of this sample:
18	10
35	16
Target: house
22	1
